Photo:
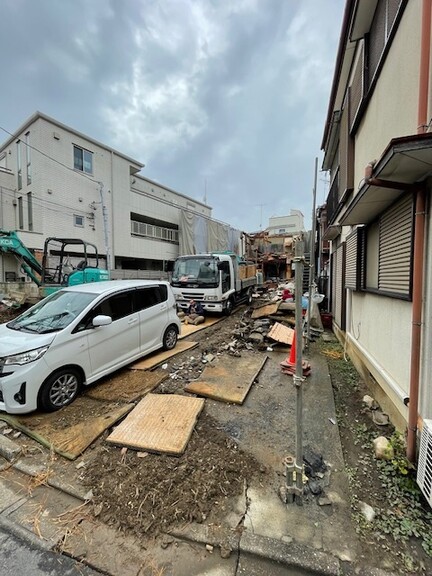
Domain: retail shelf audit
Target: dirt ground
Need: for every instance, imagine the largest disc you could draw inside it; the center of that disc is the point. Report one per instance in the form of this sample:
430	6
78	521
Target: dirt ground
146	494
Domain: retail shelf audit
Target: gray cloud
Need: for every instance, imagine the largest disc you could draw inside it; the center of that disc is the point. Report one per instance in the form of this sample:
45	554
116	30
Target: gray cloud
224	97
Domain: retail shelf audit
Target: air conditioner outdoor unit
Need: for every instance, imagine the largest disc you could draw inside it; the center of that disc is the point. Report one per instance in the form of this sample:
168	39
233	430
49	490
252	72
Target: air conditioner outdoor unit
424	469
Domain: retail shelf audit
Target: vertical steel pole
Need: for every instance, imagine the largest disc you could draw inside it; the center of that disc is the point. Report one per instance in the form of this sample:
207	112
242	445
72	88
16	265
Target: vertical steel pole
312	254
298	378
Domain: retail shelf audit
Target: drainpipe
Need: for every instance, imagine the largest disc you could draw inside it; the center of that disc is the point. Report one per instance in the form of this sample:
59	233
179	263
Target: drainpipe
419	235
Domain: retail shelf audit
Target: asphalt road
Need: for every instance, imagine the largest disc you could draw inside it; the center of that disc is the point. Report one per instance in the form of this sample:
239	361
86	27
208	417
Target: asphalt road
17	557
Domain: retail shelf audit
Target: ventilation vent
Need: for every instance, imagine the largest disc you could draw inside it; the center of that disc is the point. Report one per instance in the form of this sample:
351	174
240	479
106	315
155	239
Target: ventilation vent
424	470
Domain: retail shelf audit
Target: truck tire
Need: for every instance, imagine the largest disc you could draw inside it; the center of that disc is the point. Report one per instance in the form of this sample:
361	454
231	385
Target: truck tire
229	307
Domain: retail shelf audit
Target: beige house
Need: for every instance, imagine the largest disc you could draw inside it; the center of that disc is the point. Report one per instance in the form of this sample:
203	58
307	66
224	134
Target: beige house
377	147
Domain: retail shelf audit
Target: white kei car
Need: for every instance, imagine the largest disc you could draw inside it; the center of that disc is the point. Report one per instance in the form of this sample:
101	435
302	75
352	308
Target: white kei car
78	335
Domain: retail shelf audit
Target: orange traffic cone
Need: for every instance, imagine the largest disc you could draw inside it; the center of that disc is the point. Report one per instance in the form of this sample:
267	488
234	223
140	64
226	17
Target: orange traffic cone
290	360
288	366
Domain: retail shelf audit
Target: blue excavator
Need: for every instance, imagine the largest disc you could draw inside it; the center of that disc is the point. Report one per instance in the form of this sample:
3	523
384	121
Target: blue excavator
50	278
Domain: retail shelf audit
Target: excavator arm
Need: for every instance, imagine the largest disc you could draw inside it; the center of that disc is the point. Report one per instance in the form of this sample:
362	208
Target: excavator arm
11	244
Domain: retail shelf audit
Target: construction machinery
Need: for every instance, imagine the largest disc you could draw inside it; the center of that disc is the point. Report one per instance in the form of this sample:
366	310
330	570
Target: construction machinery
56	269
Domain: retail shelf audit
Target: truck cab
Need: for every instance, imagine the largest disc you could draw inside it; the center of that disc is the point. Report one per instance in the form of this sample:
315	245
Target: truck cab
214	279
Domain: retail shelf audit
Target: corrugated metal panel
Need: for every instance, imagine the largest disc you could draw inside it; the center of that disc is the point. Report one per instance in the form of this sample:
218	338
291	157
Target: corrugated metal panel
395	248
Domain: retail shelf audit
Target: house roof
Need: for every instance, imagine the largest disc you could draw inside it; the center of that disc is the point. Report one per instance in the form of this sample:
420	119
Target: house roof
405	163
38	115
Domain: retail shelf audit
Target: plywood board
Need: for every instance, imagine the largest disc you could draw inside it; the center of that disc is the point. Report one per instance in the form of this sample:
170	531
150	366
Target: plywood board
188	329
158	358
229	380
265	310
159	423
73	428
281	333
127	385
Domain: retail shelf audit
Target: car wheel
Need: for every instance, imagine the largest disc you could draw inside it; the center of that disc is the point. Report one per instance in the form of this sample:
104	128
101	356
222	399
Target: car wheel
170	338
59	389
229	307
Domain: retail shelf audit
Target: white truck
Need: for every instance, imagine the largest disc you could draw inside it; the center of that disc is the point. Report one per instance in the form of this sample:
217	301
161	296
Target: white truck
218	280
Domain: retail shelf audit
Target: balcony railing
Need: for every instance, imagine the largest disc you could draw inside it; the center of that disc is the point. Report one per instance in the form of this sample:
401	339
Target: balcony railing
157	232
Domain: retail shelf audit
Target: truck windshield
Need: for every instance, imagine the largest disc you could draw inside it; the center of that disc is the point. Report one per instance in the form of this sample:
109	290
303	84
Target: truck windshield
202	271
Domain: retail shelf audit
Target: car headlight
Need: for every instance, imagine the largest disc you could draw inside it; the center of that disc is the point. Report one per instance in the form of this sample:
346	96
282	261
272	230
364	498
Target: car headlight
210	297
25	357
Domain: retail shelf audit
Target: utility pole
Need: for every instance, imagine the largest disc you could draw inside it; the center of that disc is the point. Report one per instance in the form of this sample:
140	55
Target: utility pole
312	255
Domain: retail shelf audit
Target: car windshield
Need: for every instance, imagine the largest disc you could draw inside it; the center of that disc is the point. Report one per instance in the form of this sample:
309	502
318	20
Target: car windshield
53	313
199	270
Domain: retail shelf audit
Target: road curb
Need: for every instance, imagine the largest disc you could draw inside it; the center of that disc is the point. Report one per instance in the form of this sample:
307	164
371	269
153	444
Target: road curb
288	554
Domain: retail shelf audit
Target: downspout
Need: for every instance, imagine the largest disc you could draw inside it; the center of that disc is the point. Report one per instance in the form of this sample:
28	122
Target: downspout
419	236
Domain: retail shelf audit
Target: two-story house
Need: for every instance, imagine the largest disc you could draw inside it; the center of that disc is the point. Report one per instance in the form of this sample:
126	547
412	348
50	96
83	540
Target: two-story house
377	147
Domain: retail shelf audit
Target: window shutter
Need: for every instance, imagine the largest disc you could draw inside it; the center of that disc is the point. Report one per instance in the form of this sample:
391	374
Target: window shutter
354	254
346	153
377	38
338	277
395	248
356	90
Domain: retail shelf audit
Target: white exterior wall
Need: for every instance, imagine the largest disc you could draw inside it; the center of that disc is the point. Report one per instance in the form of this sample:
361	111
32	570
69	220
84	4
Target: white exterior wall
59	192
292	223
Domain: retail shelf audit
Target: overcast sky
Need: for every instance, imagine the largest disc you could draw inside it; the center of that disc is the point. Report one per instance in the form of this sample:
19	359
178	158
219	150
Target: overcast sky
224	98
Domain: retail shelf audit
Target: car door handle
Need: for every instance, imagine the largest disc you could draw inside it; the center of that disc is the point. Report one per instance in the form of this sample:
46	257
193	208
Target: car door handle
163	307
132	321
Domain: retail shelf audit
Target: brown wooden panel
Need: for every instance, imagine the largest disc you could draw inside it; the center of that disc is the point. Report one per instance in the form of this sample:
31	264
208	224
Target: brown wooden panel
159	423
229	380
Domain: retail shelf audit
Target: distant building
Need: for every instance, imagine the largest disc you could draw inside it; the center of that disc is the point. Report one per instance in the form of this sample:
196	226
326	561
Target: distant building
273	248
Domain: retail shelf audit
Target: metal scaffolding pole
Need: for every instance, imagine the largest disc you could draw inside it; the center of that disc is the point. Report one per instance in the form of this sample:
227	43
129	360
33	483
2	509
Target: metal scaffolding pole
312	255
294	466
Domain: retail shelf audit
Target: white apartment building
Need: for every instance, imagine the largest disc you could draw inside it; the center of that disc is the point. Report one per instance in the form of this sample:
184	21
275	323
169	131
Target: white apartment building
293	223
55	181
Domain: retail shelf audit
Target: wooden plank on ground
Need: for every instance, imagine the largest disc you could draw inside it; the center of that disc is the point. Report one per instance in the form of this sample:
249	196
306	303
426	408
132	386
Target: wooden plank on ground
281	333
188	329
72	429
263	311
229	380
159	423
158	358
127	385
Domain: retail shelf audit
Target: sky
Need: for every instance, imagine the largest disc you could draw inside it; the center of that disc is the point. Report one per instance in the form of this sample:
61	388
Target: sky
222	100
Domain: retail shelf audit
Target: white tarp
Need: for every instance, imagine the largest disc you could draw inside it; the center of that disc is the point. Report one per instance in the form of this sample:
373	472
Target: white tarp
200	235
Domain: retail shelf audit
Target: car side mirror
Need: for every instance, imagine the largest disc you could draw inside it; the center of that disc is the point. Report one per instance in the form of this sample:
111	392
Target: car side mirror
101	320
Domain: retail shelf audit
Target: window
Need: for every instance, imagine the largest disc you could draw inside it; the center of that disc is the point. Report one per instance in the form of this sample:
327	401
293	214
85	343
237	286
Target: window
83	160
78	221
28	161
147	297
389	246
20	213
19	167
30	211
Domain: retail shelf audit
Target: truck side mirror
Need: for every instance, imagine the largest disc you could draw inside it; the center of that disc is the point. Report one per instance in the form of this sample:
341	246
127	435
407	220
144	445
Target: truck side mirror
169	265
